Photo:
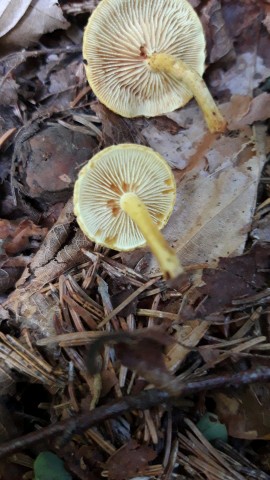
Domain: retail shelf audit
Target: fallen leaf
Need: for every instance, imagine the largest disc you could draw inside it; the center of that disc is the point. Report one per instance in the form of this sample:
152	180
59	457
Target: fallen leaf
10	13
219	42
52	259
41	16
247	73
233	278
117	129
131	460
17	235
166	124
245	414
62	80
243	17
48	159
66	258
140	351
11	269
143	354
259	110
9	277
3	316
214	208
245	110
19	261
9	92
55	238
217	186
108	381
261	229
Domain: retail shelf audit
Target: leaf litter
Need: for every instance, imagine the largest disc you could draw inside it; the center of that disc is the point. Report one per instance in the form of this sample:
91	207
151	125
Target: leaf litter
83	326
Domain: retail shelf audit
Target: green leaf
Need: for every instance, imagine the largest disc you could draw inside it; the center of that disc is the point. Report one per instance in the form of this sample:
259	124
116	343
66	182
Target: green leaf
48	466
211	428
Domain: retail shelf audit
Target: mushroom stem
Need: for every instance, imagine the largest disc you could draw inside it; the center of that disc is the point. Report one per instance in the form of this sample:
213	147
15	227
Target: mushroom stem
162	62
166	256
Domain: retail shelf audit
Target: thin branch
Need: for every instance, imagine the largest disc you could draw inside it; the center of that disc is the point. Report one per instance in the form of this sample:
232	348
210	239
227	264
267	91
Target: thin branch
143	401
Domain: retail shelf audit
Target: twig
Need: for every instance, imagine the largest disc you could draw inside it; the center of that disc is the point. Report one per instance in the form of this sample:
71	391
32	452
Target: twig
6	136
84	421
143	401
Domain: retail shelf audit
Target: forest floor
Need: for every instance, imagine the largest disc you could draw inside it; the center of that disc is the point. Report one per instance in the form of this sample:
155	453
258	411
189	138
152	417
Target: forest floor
114	371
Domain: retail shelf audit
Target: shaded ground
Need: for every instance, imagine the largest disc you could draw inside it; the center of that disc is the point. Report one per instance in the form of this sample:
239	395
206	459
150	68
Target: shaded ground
201	342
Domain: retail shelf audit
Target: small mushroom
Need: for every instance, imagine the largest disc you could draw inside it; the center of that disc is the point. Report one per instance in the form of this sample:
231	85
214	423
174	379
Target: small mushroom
123	196
146	57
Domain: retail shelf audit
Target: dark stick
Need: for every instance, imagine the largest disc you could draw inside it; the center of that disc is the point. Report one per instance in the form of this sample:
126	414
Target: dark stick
82	422
143	401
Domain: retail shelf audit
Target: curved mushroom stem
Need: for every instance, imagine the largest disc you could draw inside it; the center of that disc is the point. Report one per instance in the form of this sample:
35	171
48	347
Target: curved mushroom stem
178	69
166	256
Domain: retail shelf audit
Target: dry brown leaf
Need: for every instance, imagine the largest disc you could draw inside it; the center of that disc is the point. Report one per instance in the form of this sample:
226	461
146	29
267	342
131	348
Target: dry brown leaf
245	413
11	11
247	73
9	95
48	152
216	193
243	19
11	269
117	129
3	315
164	123
55	239
234	278
16	235
214	211
187	147
52	260
261	230
243	110
140	351
8	277
129	461
66	258
219	42
145	357
41	16
216	198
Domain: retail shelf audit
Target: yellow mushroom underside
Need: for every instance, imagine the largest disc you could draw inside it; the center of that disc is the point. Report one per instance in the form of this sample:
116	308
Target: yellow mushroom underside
122	35
102	183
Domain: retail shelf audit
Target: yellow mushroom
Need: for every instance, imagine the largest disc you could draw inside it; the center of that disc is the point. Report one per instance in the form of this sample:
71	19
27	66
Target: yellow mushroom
146	57
122	198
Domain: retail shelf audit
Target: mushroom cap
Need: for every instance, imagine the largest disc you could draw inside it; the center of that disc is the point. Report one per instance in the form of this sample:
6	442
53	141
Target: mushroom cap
106	177
118	39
